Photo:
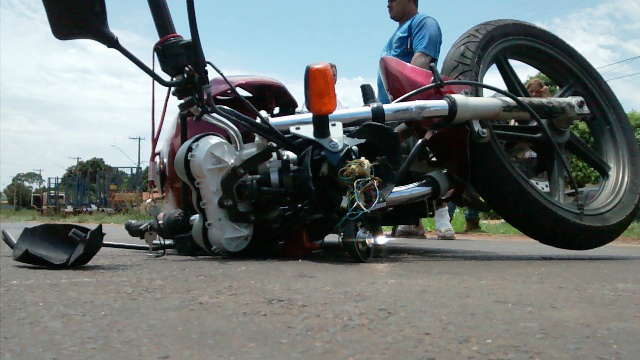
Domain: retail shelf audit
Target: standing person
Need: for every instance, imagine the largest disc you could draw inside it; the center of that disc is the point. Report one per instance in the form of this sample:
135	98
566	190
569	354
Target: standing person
471	217
537	88
417	41
339	103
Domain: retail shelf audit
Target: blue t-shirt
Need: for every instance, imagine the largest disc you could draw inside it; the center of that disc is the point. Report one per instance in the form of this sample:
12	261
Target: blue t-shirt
422	34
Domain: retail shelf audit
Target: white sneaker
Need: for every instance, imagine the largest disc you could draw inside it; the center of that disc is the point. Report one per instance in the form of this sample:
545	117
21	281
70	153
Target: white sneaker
444	229
446	234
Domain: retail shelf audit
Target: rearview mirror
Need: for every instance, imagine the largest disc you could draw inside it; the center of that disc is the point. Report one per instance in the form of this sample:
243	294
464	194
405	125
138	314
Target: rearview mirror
79	19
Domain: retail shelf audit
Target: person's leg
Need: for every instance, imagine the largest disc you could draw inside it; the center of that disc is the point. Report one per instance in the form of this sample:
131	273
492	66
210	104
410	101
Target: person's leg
452	209
472	217
444	229
409	230
416	231
470	213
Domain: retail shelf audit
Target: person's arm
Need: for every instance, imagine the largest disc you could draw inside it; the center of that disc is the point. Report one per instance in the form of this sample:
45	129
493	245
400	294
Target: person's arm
545	92
427	40
421	60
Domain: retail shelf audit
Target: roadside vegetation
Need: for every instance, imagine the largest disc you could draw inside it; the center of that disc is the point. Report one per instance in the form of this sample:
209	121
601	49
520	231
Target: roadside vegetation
492	224
99	218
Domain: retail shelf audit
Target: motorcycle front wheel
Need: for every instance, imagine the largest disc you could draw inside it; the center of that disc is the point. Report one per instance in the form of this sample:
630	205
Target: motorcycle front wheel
517	171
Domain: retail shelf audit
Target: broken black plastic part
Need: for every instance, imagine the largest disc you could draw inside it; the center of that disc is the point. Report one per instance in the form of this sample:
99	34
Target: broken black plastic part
58	245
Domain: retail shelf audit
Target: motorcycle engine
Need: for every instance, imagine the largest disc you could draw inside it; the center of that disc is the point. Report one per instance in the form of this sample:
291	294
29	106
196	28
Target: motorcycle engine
202	162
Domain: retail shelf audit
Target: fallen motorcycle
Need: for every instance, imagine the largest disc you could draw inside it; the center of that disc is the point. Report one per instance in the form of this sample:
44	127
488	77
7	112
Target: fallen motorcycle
244	174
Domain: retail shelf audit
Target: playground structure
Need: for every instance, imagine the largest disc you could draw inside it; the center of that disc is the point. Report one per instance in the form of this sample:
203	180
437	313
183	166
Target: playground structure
110	191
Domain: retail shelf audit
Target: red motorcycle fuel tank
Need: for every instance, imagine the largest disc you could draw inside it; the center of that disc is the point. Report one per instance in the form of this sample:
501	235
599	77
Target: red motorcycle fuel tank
400	78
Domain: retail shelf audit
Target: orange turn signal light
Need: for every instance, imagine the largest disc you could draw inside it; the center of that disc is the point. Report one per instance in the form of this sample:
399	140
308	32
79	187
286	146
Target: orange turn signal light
319	89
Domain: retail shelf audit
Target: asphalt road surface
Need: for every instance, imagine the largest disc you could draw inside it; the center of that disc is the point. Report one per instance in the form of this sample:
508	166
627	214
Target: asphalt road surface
426	299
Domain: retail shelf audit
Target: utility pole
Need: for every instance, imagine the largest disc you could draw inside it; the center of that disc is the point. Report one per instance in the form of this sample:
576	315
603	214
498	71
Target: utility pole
77	159
139	140
138	169
15	195
40	173
15	191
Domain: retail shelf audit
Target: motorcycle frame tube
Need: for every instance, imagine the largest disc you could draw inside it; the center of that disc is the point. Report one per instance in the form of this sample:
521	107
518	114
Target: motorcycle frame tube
156	246
412	110
228	127
184	188
454	110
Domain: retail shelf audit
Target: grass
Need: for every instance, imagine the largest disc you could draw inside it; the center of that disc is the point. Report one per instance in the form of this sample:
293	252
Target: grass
502	228
99	218
458	222
633	231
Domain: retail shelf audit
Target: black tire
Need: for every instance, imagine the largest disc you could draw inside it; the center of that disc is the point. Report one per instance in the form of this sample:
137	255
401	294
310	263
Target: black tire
552	217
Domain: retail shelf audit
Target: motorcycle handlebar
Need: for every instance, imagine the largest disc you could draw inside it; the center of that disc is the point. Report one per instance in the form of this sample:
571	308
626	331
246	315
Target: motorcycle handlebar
162	18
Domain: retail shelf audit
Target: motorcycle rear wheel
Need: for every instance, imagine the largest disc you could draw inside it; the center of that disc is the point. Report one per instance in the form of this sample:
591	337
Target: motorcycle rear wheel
534	195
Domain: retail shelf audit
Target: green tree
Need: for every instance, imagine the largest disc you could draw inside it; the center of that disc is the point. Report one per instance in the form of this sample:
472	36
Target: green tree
91	168
145	179
32	179
85	173
21	187
634	118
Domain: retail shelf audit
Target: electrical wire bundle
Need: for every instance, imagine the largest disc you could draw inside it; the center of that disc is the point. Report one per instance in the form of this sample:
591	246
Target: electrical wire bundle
363	192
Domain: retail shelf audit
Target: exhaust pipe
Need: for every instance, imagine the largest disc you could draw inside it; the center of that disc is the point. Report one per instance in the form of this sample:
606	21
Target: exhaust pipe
434	186
409	193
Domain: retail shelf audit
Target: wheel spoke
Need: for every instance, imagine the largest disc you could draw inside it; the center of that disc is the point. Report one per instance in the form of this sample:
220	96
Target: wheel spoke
510	77
585	153
519	133
557	177
566	91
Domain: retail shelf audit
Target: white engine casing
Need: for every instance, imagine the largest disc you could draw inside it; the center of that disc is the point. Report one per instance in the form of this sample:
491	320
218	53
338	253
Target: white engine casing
209	158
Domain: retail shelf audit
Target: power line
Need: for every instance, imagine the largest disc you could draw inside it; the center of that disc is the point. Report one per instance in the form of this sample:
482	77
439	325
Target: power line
618	62
618	67
621	72
139	139
626	76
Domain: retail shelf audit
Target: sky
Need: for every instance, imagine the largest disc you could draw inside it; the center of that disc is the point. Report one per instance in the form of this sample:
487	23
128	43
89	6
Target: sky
61	100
